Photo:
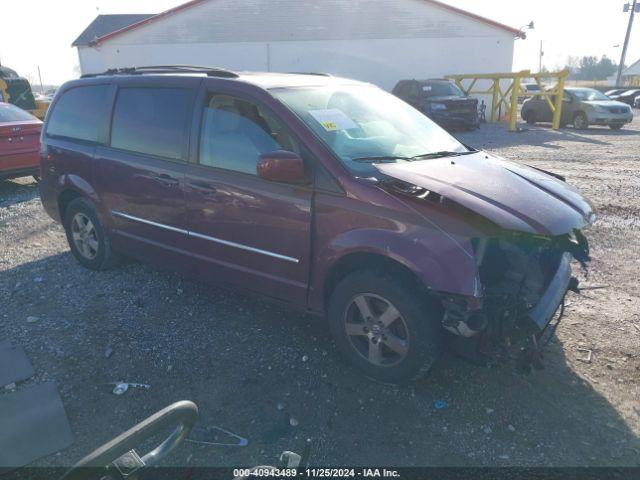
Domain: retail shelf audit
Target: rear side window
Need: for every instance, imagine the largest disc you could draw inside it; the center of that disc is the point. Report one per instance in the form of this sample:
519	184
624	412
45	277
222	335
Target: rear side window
79	113
152	121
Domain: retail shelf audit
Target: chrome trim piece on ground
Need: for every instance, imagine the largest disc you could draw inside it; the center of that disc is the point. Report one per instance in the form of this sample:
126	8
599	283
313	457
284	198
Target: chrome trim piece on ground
207	237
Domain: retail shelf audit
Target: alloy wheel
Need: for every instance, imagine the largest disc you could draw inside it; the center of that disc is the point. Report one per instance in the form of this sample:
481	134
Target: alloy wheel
376	330
84	236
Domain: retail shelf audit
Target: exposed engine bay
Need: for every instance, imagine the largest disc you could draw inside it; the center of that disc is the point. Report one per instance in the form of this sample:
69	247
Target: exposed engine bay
522	283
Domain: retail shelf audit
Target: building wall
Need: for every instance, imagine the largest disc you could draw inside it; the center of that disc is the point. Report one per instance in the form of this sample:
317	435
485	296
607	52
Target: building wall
380	41
380	61
224	21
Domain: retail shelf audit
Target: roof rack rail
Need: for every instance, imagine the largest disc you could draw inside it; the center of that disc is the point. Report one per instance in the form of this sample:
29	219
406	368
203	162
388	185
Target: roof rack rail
209	71
321	74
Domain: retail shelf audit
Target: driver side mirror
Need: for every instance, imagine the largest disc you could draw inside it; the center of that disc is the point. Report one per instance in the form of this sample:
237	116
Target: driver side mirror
281	166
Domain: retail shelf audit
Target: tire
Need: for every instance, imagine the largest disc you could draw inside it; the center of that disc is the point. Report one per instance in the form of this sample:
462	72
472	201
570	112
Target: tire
413	330
615	127
86	236
580	121
530	117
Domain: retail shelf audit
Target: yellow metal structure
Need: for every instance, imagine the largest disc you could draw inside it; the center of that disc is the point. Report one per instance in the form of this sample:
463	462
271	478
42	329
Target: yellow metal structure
40	109
505	97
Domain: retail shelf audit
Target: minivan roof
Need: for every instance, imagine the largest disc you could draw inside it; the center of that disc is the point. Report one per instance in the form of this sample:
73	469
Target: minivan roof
266	80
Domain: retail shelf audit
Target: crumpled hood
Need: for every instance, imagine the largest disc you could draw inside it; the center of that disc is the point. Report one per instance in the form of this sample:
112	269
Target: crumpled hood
513	196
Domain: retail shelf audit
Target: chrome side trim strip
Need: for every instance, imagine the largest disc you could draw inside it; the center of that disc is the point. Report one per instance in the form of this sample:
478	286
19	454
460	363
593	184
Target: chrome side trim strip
207	237
149	222
244	247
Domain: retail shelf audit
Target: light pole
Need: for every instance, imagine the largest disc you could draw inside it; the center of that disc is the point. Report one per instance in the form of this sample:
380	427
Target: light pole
626	39
540	58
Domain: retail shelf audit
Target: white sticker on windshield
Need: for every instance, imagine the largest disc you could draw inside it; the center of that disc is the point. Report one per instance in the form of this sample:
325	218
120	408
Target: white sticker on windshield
426	88
333	119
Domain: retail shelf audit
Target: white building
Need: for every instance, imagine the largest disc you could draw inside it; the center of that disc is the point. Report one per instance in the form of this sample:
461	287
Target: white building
380	41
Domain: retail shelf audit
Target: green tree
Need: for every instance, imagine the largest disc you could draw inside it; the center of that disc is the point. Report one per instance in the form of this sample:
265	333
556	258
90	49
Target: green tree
592	68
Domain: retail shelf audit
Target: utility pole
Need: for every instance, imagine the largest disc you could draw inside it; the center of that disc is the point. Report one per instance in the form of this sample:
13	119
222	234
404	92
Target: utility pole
540	58
626	42
40	77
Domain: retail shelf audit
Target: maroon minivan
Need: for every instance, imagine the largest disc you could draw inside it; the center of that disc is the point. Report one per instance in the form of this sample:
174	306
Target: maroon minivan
325	193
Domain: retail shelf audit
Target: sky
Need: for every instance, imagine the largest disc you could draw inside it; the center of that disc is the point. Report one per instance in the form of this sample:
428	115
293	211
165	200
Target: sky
40	32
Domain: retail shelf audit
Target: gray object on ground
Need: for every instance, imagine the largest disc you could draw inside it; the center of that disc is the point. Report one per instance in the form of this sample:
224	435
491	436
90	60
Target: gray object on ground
14	364
33	424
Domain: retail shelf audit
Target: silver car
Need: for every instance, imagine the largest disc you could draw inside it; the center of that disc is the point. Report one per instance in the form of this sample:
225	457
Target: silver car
581	107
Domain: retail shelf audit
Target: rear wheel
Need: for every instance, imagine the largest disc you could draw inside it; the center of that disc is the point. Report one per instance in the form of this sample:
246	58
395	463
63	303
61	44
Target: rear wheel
530	117
615	127
580	121
86	235
385	327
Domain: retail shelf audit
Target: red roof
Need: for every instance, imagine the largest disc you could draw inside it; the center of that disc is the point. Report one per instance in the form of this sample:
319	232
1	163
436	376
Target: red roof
179	8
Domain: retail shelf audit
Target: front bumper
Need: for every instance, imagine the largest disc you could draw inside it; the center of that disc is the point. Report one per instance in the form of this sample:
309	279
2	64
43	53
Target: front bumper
542	313
603	118
454	120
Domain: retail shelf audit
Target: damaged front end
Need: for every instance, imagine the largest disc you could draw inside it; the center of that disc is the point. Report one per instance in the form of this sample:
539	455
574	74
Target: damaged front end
522	281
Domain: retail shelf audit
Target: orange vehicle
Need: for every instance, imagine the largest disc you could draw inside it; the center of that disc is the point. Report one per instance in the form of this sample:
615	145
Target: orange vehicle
19	143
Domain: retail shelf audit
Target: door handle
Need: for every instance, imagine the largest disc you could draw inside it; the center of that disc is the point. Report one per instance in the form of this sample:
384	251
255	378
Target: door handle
167	180
204	187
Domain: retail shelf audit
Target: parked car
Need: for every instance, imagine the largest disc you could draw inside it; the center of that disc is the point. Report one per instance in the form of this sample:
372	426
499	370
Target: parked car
441	100
628	96
581	107
529	88
19	142
636	103
328	194
615	91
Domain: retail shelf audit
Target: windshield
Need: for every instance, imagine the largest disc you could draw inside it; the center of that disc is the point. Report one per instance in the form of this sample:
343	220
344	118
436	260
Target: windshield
364	122
589	94
441	89
11	113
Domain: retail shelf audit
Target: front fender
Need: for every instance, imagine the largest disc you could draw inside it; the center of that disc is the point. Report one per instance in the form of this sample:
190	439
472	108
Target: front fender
441	262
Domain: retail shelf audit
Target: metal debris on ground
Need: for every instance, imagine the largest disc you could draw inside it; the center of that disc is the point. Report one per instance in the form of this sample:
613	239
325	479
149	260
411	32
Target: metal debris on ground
34	425
241	441
121	387
587	359
14	364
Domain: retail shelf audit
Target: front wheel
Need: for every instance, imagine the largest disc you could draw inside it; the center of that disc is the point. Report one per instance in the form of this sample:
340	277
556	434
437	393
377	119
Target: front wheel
580	121
86	235
615	127
385	327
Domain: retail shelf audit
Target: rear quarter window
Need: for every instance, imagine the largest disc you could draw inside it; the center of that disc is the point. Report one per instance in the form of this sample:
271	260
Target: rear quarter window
79	113
151	121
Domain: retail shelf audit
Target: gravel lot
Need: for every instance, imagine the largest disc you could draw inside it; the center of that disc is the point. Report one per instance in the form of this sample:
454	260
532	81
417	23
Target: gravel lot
240	358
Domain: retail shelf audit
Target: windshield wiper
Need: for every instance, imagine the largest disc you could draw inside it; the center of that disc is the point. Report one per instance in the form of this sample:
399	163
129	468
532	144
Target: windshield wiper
383	158
380	158
441	154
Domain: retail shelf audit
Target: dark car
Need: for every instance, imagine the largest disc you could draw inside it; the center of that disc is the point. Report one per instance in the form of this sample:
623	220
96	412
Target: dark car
627	96
441	100
615	91
581	107
636	103
328	194
19	142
